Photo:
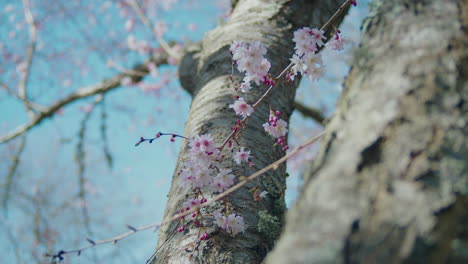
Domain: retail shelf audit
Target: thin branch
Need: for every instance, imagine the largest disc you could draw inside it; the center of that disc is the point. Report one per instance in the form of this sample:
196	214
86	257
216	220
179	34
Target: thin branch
22	93
11	173
313	113
338	12
14	243
31	105
103	87
128	71
150	25
80	158
244	180
104	139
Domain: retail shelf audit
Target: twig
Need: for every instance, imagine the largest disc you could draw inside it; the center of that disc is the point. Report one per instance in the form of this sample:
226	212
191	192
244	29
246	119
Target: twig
22	93
11	173
80	158
31	105
128	71
104	139
336	14
273	166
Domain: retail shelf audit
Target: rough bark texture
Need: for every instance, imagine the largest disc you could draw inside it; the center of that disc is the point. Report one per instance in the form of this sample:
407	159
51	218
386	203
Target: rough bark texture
204	72
390	184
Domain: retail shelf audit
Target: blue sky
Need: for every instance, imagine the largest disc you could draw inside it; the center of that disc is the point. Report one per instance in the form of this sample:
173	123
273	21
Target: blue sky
134	190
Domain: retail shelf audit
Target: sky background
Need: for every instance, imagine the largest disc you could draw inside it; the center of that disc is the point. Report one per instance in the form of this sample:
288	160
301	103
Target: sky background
76	40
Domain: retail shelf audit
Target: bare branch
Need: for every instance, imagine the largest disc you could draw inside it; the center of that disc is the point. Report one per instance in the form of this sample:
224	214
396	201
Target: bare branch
313	113
11	173
31	105
22	93
104	139
80	158
103	87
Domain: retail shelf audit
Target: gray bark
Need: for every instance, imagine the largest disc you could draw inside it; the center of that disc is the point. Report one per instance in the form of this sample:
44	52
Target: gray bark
204	72
390	184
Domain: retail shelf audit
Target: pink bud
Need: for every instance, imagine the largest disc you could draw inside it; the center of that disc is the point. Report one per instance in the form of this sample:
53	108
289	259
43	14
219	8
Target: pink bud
205	236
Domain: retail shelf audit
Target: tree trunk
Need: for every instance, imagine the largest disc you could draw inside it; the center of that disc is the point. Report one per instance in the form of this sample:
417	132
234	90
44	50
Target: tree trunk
204	72
390	184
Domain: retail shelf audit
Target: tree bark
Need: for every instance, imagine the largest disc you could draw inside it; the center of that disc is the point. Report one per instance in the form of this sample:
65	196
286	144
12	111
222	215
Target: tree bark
204	72
390	184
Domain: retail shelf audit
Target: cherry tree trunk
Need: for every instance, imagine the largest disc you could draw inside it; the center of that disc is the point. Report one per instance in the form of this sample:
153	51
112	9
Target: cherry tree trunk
390	184
204	72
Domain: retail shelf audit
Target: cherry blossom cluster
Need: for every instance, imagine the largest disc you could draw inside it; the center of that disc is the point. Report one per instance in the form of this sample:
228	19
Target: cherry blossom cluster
276	127
232	223
306	59
249	59
338	42
202	174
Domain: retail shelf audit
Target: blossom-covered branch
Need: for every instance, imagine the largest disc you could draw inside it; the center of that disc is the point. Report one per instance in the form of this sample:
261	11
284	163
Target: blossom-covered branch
155	226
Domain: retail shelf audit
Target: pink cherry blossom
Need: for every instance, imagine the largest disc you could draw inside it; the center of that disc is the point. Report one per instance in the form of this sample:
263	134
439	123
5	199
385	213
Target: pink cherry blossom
278	130
242	108
196	173
203	143
232	223
338	42
318	36
242	155
315	73
249	59
235	224
223	180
